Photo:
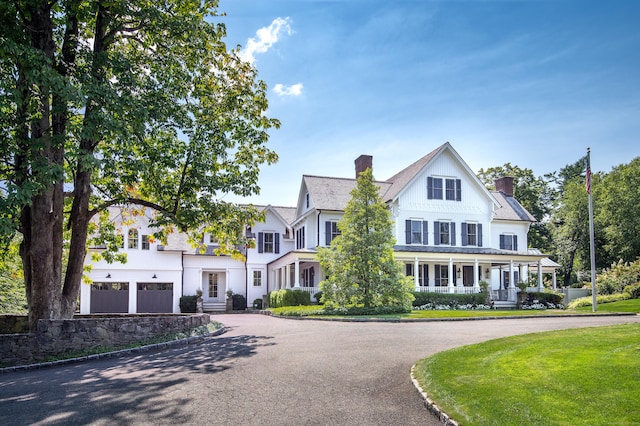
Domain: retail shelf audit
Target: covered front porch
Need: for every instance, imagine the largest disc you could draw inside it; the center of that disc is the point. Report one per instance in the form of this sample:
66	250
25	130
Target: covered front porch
297	270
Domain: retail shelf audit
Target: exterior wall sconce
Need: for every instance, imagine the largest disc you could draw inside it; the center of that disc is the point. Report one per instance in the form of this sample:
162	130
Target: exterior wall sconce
154	276
108	275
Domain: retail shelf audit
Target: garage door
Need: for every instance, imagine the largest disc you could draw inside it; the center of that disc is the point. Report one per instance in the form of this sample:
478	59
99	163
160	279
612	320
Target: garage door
109	298
155	297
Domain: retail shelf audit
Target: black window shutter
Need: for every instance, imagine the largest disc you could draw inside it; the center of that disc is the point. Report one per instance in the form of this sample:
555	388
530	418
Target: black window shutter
452	229
436	233
479	237
425	233
464	234
458	190
327	233
260	242
430	188
407	231
276	243
502	242
437	272
425	274
408	269
515	243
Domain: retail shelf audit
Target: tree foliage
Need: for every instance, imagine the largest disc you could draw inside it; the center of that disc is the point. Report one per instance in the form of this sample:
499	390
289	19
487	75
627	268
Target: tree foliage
359	264
108	103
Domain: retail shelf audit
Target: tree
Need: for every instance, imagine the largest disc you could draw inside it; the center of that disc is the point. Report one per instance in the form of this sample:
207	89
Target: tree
533	193
360	265
108	103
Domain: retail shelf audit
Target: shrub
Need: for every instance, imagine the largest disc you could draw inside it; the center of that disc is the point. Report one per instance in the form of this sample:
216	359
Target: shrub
288	297
357	310
318	297
188	304
447	299
588	301
239	302
543	300
633	291
257	304
619	276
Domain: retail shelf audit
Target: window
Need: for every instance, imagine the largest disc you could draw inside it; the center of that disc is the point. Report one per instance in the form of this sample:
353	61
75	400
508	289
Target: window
268	242
471	234
423	273
509	242
213	286
308	275
257	278
300	243
133	238
442	275
416	232
306	199
444	233
331	231
145	242
452	190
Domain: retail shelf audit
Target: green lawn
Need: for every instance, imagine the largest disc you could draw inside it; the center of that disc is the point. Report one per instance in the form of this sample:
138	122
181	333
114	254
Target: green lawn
571	377
629	305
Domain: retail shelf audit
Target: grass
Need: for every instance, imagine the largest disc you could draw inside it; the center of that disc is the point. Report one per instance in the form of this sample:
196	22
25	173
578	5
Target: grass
629	305
571	377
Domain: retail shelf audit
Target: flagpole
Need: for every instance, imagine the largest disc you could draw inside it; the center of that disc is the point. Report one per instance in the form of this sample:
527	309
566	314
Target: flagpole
591	234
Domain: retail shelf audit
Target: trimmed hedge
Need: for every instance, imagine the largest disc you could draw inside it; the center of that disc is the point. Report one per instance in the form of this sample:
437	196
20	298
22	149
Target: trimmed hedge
361	310
448	299
188	304
288	297
239	302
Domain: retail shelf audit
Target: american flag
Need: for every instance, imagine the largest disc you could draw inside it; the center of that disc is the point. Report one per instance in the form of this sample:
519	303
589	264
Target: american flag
588	178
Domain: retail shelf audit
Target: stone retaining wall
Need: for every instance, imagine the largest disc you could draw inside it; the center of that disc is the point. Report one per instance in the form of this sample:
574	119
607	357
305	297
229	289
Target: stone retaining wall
56	337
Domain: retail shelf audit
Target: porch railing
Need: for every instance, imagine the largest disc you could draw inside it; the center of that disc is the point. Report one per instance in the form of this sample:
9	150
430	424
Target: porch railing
447	289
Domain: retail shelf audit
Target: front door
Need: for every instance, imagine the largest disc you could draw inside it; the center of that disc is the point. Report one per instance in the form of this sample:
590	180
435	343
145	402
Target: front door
467	276
214	287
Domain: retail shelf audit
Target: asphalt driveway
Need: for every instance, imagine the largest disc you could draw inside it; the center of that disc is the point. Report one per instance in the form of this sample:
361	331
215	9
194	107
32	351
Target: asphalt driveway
262	371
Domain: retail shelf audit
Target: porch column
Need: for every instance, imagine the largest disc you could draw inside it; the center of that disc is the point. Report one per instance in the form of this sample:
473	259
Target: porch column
451	272
512	285
287	276
476	283
416	274
297	274
540	285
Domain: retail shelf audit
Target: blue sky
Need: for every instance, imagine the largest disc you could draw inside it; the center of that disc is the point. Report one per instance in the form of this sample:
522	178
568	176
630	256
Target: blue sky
533	83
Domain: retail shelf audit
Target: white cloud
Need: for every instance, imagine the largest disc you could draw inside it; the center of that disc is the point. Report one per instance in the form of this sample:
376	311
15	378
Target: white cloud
293	90
265	38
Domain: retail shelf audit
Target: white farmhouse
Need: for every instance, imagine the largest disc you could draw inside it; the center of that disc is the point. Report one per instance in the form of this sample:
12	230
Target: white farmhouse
451	233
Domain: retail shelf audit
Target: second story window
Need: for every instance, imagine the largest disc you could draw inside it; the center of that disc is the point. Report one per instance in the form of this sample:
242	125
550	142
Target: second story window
331	231
300	243
416	232
268	242
133	239
145	242
509	242
444	233
471	234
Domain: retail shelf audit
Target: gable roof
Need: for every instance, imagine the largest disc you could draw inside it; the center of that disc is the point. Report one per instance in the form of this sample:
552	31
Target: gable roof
288	214
405	177
330	193
510	209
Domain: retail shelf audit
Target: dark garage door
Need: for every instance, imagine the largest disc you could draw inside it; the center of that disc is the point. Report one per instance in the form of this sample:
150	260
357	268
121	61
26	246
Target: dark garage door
109	298
155	297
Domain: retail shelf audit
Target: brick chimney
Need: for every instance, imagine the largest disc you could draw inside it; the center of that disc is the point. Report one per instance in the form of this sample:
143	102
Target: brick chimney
363	163
505	185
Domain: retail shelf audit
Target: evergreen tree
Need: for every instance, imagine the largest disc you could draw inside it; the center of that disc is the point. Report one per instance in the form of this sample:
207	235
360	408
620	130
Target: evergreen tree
359	264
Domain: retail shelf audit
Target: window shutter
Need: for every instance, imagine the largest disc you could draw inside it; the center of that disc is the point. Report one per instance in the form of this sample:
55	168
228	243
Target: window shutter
437	277
425	232
452	229
408	268
430	188
327	233
276	243
436	233
515	243
465	234
502	242
458	190
479	237
260	242
407	231
425	274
